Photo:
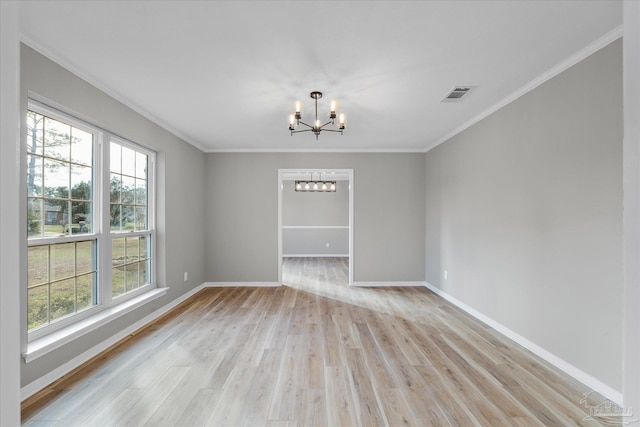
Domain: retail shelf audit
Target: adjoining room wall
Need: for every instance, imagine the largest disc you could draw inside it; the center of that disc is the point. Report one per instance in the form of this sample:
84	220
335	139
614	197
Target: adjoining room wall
310	242
310	208
315	223
241	233
524	212
179	192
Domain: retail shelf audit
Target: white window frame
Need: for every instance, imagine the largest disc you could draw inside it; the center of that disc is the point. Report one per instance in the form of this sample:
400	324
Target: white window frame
106	291
106	306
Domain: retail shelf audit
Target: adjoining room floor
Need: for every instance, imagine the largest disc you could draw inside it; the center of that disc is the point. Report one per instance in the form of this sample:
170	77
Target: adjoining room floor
328	275
314	352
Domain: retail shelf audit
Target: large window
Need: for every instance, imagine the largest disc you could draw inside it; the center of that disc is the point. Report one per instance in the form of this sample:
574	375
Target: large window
129	213
89	219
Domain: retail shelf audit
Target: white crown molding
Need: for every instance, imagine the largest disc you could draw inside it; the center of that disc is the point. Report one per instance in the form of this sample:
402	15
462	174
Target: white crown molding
582	54
595	384
315	150
38	47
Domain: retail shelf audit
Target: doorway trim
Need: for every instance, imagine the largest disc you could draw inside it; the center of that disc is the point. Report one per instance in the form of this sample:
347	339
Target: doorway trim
349	174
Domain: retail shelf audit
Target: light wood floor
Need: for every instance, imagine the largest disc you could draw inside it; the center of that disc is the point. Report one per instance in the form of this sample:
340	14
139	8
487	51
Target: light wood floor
313	353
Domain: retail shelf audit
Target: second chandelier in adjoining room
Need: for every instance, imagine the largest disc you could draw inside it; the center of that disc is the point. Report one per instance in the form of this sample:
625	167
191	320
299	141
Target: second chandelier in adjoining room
317	127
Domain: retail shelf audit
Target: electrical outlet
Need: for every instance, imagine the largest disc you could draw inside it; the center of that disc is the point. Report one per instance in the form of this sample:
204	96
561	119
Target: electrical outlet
186	276
446	275
328	244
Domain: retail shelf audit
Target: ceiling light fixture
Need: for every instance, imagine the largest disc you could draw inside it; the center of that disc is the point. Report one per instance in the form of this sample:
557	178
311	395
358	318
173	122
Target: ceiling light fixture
319	186
316	128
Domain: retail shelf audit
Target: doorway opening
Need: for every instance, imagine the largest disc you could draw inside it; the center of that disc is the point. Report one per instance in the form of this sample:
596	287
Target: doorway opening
315	227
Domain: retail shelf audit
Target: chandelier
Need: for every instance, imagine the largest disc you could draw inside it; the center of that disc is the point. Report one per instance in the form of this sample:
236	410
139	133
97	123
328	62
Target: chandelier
316	186
317	127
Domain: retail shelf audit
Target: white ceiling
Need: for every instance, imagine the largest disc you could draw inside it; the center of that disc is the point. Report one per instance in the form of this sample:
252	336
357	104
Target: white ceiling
224	75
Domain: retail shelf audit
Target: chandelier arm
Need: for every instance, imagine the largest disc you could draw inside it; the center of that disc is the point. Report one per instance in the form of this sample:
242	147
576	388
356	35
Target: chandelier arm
298	131
309	126
331	130
328	123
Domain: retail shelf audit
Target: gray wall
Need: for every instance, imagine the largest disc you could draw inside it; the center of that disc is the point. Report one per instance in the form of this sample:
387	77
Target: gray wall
631	191
309	208
524	210
179	192
313	242
11	233
301	209
242	205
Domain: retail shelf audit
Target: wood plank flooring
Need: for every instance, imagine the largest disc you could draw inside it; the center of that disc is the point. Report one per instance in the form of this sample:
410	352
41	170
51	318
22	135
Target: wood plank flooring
313	353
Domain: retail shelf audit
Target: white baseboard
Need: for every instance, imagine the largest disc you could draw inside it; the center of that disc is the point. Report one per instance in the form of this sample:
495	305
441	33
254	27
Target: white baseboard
595	384
37	385
242	284
315	256
383	283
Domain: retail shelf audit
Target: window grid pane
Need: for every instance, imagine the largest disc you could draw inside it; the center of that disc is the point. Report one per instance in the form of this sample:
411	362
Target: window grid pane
62	298
59	172
128	189
35	133
61	281
130	264
38	306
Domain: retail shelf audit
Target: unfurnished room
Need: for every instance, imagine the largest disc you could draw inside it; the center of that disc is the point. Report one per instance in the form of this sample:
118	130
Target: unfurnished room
320	213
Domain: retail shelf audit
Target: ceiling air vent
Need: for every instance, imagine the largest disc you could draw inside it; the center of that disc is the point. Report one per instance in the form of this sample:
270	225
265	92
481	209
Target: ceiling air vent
458	93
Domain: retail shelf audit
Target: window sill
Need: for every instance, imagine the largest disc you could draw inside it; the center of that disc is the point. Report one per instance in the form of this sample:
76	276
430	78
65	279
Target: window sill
46	344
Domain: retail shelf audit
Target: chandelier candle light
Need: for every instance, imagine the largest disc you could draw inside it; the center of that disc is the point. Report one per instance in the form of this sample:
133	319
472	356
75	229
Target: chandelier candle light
316	128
